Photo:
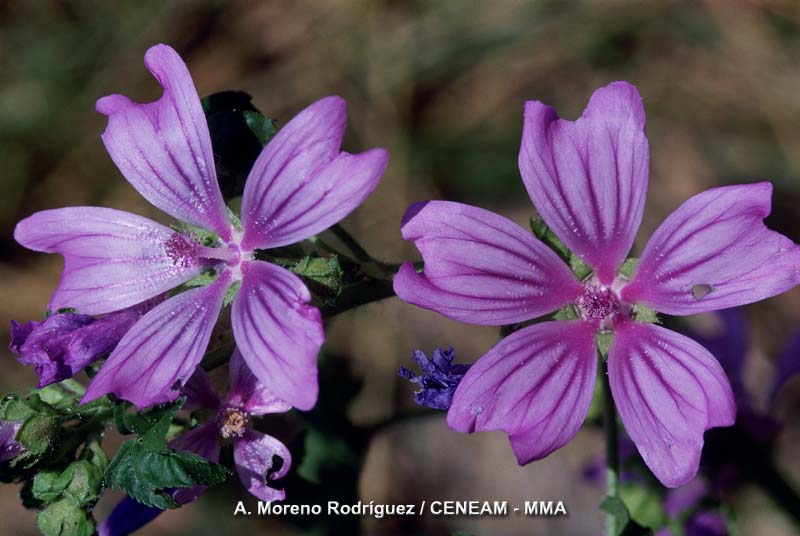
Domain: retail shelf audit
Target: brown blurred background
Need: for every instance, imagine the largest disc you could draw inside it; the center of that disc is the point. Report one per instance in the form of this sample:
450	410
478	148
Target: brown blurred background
441	85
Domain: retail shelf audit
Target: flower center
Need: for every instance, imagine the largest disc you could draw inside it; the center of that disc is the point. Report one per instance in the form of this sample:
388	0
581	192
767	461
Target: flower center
598	302
232	422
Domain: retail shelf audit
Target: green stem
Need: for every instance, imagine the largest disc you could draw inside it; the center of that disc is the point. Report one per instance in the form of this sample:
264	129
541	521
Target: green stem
368	291
73	387
351	243
612	447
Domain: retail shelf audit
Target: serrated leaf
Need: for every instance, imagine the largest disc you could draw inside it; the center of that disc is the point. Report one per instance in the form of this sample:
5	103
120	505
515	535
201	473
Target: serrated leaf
147	476
62	518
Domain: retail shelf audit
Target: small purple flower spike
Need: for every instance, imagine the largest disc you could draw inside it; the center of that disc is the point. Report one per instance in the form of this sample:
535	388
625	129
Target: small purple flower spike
438	380
300	185
65	343
588	181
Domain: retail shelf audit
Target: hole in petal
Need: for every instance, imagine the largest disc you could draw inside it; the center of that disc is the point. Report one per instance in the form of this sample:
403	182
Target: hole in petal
701	291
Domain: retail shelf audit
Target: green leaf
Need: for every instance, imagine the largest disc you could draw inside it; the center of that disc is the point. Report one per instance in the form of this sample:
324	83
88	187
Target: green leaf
147	475
262	126
145	467
62	518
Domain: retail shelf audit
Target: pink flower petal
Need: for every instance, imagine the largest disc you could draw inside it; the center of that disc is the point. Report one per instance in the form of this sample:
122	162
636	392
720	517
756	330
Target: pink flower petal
669	390
278	335
588	178
163	148
536	385
480	267
254	455
301	184
112	259
248	393
163	349
714	252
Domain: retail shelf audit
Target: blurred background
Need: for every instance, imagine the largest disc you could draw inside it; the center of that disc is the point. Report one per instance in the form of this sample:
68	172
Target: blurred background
441	85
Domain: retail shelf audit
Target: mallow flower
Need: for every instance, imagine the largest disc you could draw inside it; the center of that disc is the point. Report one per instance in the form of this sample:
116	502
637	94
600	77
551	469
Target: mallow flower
588	180
253	452
300	185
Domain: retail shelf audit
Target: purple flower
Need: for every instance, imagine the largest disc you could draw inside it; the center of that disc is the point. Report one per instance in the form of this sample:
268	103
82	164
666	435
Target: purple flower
253	451
588	180
65	343
300	185
9	448
438	380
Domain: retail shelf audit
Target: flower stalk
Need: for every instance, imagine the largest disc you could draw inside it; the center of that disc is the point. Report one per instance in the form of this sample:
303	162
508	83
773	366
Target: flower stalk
612	448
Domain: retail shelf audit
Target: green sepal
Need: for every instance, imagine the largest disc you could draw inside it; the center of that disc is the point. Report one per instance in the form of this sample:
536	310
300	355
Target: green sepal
604	339
230	294
202	236
568	312
324	273
642	313
546	235
202	279
628	268
579	268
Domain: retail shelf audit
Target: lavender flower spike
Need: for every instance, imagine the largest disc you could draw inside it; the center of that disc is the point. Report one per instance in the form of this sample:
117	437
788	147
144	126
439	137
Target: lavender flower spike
588	180
253	451
438	380
300	185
